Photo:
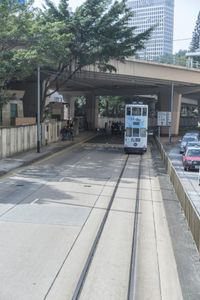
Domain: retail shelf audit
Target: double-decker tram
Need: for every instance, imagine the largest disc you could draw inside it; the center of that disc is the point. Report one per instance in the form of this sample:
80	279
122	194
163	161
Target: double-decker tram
136	125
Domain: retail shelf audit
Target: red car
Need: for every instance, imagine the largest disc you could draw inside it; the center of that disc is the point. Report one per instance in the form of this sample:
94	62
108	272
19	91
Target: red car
191	159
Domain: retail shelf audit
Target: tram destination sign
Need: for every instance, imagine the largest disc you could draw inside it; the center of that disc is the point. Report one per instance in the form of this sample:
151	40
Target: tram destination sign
164	118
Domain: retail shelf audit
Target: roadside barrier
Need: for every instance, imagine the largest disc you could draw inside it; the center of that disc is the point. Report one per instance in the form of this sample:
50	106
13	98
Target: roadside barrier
18	139
191	214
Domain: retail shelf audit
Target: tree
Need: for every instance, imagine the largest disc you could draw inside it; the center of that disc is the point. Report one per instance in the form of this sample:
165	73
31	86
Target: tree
16	21
112	106
178	58
95	33
63	42
195	43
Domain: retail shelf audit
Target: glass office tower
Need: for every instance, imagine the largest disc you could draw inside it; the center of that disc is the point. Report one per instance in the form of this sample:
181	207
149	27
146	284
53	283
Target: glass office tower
158	13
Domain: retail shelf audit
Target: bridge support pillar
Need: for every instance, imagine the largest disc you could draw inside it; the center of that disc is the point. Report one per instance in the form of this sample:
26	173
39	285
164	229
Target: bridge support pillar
165	98
176	111
70	101
92	105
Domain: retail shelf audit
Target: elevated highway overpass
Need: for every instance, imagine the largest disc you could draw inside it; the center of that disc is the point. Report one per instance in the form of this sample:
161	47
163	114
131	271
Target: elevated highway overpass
135	77
169	83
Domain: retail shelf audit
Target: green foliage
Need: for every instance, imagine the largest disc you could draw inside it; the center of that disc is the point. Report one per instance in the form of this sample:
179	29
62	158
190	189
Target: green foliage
95	33
80	106
112	106
195	43
178	58
101	33
15	23
63	42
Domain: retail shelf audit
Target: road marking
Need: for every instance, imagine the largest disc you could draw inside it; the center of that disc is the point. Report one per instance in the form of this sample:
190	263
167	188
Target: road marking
34	201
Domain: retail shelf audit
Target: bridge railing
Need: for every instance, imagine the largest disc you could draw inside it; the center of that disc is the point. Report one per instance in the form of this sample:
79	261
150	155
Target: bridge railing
173	60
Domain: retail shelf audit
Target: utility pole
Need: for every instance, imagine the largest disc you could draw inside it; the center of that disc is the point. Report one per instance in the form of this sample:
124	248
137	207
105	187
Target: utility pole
172	104
38	111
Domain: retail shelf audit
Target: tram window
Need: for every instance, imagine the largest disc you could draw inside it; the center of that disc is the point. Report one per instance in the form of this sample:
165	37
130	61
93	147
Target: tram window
143	132
128	112
144	113
128	131
136	111
136	132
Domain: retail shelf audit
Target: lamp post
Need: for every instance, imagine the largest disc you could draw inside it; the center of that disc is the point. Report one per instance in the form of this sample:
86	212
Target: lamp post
172	104
38	111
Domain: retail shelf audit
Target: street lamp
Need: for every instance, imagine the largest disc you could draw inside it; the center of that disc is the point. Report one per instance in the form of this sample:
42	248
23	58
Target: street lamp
172	104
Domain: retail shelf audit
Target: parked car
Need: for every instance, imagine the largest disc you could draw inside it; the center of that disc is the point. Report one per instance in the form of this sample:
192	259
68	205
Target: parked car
187	138
191	159
193	132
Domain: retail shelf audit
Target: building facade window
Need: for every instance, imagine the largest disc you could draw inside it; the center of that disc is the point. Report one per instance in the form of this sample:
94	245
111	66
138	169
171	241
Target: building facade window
158	13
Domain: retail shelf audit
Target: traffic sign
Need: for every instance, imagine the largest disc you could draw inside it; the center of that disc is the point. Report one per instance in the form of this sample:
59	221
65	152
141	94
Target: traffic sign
164	118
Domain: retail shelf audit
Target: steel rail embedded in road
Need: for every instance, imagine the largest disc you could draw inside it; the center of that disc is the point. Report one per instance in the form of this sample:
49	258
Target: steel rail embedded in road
84	272
131	283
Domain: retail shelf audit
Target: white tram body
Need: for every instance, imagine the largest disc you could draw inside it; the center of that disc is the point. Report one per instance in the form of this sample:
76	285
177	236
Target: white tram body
136	126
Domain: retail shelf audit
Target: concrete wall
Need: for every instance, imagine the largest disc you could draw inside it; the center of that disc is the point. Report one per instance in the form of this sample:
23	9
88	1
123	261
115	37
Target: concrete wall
6	114
24	121
18	139
15	97
188	207
103	120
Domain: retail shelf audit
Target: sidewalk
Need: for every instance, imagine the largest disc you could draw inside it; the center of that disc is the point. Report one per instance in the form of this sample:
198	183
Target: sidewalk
169	145
25	158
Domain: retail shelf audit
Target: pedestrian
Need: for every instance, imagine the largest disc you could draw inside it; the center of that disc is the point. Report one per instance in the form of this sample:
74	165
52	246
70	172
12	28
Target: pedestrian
64	133
71	131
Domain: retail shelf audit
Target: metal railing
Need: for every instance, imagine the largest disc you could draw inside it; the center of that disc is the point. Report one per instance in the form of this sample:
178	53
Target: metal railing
173	60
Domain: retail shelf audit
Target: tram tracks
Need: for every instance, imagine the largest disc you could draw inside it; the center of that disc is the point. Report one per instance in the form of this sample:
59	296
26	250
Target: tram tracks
131	286
56	232
117	178
132	260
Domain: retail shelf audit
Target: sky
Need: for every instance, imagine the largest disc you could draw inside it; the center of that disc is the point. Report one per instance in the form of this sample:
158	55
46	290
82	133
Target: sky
185	17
